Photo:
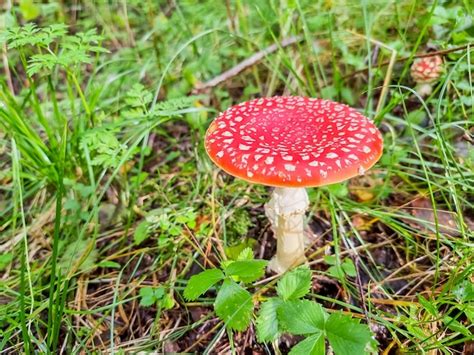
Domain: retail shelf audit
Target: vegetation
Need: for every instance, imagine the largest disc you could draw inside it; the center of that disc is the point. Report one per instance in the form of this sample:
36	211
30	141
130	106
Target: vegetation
117	233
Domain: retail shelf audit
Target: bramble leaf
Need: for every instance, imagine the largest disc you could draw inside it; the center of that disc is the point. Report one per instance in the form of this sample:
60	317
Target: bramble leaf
200	283
312	345
267	321
234	306
301	317
347	336
295	284
246	254
247	270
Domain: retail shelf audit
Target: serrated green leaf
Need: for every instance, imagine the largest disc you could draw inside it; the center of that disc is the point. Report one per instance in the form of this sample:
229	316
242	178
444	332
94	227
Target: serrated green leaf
246	254
200	283
301	317
295	284
312	345
247	270
347	336
233	252
141	232
267	320
234	306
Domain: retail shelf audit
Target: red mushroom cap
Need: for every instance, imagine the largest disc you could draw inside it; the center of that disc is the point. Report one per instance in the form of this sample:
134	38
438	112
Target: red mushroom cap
293	142
426	70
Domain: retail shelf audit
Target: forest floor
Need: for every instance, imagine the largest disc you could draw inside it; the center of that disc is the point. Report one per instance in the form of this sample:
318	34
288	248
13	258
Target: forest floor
109	203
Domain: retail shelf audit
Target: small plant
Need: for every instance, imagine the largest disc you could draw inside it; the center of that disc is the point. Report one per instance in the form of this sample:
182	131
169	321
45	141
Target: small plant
150	296
340	270
290	313
233	303
167	222
286	313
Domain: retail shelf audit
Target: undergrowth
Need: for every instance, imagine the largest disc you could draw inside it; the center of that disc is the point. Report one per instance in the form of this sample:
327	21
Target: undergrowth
118	234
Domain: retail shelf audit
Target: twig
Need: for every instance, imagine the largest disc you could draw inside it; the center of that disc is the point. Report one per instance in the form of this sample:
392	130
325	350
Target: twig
247	63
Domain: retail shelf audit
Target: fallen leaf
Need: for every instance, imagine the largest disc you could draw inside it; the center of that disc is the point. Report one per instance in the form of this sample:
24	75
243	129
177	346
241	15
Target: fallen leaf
365	187
423	211
363	194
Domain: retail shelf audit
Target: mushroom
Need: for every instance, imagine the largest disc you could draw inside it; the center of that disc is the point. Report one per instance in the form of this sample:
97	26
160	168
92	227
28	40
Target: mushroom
425	71
291	143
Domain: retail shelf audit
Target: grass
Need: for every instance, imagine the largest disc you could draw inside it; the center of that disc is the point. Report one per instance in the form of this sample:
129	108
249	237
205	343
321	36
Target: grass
106	188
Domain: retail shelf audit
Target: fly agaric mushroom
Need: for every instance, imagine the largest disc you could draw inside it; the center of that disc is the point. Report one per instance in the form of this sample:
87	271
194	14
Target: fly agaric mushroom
425	71
291	143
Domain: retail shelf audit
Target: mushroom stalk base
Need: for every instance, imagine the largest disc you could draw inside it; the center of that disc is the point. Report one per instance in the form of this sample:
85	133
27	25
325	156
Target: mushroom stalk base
286	210
424	89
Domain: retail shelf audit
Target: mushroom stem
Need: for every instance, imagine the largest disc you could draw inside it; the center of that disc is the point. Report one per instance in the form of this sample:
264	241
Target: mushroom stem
424	89
286	210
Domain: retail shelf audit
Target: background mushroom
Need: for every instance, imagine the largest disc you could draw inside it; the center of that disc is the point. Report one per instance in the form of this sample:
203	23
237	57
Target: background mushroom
292	143
425	71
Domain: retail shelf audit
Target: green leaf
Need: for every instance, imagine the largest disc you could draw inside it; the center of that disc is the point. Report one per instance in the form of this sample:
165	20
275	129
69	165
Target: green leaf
464	291
347	336
267	321
330	259
109	264
167	302
147	296
338	190
295	284
336	271
72	205
234	306
200	283
312	345
233	252
150	295
247	270
80	254
29	9
349	267
456	326
141	232
301	317
427	305
5	260
246	254
469	312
